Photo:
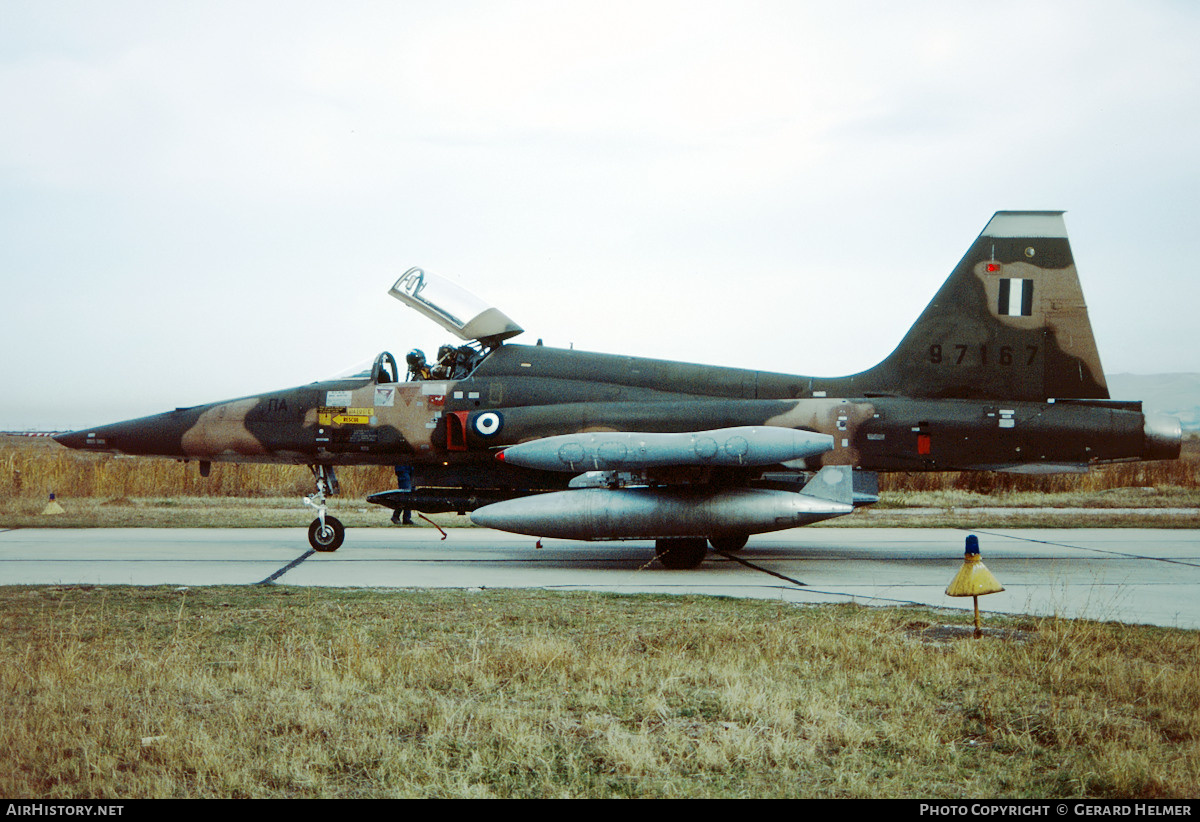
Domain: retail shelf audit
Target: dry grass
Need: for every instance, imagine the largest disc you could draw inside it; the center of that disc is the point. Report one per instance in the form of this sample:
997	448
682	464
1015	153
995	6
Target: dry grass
1181	473
274	692
33	468
921	510
201	512
102	490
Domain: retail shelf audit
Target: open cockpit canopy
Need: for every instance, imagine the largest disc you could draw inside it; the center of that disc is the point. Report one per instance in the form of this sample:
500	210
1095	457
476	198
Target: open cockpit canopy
454	308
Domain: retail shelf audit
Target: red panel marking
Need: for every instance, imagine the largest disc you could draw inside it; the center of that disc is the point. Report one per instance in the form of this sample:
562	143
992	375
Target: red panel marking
456	431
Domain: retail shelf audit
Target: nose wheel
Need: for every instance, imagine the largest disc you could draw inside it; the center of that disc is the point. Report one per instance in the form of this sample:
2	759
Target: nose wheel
325	533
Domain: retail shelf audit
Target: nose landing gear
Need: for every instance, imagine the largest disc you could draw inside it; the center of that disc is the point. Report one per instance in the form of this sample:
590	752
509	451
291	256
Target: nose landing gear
326	532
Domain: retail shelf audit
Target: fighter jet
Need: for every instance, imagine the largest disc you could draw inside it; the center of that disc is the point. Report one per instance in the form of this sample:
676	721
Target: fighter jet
999	373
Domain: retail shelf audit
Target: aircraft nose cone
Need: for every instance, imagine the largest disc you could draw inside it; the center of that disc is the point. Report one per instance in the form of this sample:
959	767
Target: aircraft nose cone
105	438
158	436
72	439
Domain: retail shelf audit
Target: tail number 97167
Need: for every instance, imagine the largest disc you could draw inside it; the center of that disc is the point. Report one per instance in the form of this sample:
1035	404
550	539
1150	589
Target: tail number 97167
1005	355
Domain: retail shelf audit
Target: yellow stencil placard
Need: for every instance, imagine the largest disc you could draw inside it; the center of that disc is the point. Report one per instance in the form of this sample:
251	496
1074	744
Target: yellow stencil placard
327	415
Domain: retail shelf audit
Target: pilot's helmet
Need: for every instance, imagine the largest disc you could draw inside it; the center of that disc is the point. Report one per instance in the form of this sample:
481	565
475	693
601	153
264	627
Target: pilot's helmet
446	351
416	358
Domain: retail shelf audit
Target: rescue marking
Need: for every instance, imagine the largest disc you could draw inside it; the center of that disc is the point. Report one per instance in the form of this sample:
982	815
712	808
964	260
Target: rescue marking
345	416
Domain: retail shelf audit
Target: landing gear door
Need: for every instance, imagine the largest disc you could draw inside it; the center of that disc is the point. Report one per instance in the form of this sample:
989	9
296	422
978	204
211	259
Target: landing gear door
453	308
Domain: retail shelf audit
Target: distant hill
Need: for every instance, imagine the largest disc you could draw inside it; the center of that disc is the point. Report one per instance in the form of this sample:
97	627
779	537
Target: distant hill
1174	394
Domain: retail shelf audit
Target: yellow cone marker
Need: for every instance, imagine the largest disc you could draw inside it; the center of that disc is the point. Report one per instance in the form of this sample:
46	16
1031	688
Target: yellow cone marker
52	507
974	579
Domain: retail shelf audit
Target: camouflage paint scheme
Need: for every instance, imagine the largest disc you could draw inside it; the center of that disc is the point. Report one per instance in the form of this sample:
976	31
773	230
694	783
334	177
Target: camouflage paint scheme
1000	372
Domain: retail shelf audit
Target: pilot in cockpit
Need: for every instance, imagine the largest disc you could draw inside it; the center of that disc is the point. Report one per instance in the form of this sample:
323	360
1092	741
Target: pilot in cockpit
417	369
454	363
447	364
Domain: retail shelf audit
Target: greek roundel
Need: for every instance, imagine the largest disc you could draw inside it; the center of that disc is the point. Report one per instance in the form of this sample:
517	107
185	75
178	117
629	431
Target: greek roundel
488	424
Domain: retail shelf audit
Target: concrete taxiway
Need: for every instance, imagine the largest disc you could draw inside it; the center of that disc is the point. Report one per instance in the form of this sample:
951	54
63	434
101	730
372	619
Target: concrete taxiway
1127	575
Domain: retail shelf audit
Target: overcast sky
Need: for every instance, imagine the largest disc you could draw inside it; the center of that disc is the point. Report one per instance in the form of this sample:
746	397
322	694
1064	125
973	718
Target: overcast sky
201	200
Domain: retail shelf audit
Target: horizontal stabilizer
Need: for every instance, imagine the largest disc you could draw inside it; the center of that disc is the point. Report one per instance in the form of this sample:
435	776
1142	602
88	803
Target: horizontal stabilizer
834	483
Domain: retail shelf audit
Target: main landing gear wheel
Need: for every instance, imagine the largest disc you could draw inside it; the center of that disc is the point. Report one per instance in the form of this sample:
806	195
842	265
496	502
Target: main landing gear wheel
681	554
729	545
327	537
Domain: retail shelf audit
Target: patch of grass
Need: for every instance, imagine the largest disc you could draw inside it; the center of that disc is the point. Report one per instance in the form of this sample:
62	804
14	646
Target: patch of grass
967	518
1183	473
1165	497
203	512
234	512
32	468
98	490
277	692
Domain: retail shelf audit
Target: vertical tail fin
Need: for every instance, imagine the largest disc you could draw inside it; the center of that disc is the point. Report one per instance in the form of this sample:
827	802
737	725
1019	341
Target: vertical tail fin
1009	323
